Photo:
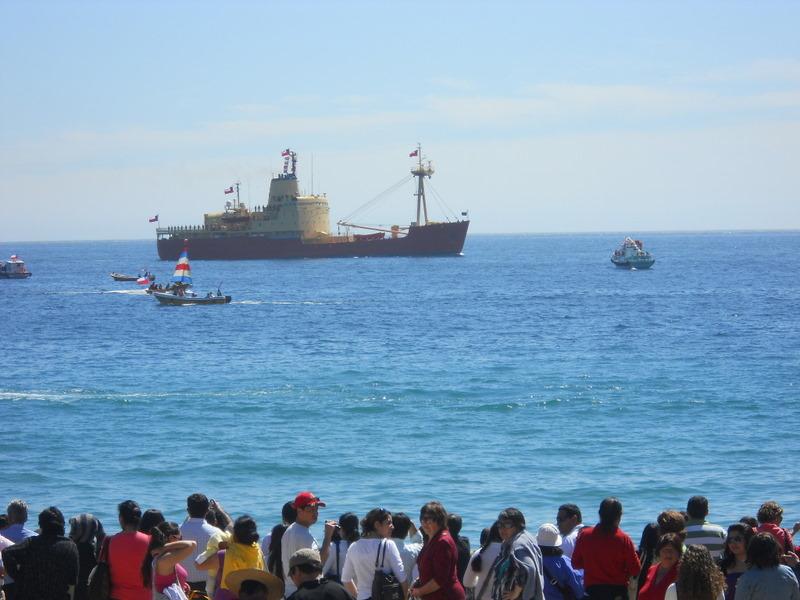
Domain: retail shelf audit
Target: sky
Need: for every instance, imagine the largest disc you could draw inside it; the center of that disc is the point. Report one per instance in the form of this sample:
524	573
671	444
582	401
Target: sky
538	117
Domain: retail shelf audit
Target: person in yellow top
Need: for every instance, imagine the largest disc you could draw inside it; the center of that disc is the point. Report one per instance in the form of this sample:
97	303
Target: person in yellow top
238	551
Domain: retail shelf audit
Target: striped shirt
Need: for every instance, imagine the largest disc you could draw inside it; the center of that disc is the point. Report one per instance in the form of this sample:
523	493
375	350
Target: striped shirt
703	533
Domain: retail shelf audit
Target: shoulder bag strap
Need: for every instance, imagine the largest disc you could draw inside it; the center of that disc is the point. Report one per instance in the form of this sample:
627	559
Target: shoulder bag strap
382	544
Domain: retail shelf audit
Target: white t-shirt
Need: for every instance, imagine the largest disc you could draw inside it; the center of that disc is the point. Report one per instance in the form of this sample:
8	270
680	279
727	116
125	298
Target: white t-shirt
409	551
672	593
476	580
360	564
197	529
330	564
295	538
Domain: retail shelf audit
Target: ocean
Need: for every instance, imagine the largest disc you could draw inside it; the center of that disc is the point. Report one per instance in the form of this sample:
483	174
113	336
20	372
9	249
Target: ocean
528	372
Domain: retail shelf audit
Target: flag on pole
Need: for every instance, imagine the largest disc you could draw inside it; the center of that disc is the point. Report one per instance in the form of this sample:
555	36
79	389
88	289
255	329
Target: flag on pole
229	190
152	219
143	280
286	152
414	153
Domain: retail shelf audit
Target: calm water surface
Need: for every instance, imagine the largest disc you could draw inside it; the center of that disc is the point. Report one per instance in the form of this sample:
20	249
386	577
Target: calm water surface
528	372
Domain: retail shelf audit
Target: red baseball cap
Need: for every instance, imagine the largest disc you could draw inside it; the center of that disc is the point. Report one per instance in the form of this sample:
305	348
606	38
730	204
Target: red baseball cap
304	499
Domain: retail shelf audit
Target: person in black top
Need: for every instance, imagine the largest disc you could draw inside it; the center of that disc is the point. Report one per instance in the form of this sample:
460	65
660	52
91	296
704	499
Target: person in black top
87	532
454	524
305	569
44	567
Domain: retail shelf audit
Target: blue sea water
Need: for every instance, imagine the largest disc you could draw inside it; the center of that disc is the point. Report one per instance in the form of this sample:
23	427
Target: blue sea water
528	372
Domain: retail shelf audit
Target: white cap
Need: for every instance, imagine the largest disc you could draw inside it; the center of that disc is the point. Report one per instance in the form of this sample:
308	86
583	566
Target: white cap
548	535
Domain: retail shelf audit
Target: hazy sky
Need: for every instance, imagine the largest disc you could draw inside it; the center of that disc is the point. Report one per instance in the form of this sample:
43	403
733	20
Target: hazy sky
539	117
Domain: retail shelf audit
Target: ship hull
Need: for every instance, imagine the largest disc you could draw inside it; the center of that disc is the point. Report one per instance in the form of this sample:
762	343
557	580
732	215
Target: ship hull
428	240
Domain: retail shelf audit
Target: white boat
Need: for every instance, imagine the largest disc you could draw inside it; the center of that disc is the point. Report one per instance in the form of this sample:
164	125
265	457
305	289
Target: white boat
14	268
632	255
181	292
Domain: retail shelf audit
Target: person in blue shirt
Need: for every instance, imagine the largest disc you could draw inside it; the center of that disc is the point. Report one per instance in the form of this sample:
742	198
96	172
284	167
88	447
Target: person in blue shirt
559	576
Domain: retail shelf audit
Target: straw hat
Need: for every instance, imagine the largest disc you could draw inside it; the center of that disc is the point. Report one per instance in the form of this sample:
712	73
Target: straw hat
274	585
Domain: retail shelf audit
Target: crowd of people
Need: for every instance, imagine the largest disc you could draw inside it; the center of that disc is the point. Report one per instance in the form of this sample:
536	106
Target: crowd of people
385	556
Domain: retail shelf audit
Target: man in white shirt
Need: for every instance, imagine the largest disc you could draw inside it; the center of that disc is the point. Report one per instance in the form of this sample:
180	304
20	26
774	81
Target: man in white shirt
298	536
196	528
570	523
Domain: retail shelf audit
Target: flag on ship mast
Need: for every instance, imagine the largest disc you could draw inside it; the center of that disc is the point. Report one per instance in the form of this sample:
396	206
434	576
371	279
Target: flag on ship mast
414	153
152	219
183	272
286	152
229	190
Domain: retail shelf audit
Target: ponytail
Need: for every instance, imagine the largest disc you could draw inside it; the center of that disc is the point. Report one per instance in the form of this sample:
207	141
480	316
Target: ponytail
158	539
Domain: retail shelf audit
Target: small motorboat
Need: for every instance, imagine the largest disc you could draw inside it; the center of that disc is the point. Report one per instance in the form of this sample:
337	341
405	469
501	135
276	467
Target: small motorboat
180	292
632	255
14	268
141	278
187	296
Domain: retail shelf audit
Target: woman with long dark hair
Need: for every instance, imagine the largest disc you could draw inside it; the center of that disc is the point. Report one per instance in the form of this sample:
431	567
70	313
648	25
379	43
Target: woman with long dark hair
479	574
373	551
734	556
240	552
273	542
161	566
606	554
346	534
664	572
699	578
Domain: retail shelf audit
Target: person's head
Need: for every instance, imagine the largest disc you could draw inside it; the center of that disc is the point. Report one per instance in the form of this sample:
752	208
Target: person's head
548	536
649	541
347	528
307	506
751	521
51	521
492	535
669	550
699	577
305	565
510	522
568	517
160	535
4	522
697	507
288	513
151	518
17	511
86	529
377	523
610	513
129	514
763	551
402	525
454	524
245	530
197	506
432	517
672	521
739	536
252	590
770	512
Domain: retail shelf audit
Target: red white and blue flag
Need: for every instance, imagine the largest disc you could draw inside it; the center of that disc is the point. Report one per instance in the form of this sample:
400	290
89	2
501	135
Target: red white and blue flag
414	153
183	272
286	152
145	280
229	190
152	219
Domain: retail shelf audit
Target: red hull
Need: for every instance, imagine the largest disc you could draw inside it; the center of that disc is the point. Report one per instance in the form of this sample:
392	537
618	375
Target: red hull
428	240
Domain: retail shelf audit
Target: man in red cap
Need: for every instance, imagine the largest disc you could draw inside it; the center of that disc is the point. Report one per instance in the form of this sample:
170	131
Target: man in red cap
297	535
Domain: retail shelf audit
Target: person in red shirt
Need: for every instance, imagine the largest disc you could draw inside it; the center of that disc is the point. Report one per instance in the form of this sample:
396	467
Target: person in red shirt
659	577
607	555
438	560
126	551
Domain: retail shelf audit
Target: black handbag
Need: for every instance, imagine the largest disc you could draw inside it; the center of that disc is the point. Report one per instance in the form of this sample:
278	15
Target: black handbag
385	586
99	584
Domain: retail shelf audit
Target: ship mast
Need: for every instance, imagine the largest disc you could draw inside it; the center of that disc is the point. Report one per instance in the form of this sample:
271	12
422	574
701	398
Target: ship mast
238	202
421	172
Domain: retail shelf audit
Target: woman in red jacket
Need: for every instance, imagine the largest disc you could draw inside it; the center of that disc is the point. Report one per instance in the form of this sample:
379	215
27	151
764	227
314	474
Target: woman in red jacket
438	560
660	575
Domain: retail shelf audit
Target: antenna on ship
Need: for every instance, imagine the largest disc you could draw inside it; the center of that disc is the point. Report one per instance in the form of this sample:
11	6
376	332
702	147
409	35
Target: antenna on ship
421	172
238	201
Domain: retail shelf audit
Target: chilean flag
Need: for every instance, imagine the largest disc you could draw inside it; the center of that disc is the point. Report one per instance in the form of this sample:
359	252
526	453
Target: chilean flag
143	280
414	153
152	219
229	190
286	152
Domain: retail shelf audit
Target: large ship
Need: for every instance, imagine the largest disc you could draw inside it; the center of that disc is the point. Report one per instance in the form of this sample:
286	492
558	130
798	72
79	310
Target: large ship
293	225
